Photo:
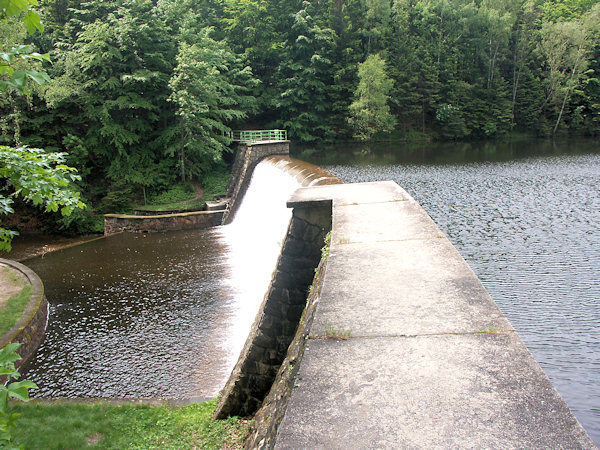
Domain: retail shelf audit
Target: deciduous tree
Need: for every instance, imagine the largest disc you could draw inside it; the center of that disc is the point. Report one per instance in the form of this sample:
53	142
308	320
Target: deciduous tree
370	112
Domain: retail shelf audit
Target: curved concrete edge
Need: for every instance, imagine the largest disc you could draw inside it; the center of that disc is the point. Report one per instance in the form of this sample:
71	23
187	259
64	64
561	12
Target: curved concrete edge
279	314
278	317
249	154
307	174
30	328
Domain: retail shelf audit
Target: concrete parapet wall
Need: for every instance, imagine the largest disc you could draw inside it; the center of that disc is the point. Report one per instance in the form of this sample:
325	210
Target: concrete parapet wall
115	223
247	157
271	413
279	314
30	328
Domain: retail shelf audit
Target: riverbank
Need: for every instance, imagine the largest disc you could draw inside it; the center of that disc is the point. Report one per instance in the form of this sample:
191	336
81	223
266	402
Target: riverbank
107	425
29	245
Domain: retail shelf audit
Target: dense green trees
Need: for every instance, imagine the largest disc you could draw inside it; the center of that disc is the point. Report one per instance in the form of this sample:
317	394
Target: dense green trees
30	174
211	88
143	92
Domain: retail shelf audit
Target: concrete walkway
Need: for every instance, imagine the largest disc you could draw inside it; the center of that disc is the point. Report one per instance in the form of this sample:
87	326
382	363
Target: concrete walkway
431	362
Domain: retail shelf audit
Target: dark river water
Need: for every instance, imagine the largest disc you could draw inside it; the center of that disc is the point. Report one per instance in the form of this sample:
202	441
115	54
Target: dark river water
526	217
160	315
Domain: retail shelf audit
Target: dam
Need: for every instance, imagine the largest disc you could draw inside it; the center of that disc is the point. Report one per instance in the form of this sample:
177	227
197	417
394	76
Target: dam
335	331
399	345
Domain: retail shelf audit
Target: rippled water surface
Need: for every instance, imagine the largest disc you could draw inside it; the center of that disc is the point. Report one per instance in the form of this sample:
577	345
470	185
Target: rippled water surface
527	219
159	315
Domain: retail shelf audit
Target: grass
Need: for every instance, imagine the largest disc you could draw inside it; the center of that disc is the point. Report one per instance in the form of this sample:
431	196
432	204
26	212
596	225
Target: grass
108	426
14	307
337	333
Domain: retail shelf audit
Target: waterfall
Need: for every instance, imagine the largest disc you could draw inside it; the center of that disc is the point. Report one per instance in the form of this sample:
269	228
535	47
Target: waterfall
254	240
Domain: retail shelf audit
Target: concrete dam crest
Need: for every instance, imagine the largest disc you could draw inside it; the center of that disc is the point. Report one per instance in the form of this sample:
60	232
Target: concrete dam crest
386	338
381	337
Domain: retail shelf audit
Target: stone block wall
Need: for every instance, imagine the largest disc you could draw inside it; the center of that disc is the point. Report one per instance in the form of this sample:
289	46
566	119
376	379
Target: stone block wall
30	328
269	416
115	223
247	157
279	315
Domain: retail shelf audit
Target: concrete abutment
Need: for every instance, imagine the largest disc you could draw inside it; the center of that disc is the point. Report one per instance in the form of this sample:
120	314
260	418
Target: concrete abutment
247	156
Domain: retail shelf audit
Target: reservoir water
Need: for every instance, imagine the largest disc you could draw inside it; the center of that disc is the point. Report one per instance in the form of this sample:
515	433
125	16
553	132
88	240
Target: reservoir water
526	217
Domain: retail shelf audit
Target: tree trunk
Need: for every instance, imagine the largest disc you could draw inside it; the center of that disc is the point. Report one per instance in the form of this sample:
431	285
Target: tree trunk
182	151
569	87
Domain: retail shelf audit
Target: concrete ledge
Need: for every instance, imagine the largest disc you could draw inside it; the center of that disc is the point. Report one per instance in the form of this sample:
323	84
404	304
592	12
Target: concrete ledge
115	223
452	391
30	328
406	348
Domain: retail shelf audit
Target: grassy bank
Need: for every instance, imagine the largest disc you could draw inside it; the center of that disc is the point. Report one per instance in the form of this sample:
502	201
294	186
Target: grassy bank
184	196
108	426
13	309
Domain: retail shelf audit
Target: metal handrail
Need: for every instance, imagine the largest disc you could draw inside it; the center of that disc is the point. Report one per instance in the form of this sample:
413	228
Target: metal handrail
258	135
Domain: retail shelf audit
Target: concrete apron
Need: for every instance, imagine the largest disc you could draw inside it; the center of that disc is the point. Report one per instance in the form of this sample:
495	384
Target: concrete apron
431	362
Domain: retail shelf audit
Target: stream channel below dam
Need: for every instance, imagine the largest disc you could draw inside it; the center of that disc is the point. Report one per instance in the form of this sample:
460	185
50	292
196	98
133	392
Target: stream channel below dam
165	315
161	315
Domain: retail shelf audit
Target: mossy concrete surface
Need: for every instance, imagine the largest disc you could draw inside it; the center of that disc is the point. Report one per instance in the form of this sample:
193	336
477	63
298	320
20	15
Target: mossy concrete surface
429	360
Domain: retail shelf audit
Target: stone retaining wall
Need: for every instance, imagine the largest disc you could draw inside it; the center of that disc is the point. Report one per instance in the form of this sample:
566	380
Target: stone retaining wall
279	315
30	328
269	416
247	157
115	223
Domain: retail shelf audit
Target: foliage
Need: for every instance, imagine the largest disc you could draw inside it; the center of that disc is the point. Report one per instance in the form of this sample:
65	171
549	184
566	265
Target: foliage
11	389
211	89
370	112
14	73
114	80
215	183
567	47
178	193
103	425
144	92
38	177
306	78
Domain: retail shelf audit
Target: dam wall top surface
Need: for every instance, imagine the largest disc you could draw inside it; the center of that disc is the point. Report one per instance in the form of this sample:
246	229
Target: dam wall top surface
406	348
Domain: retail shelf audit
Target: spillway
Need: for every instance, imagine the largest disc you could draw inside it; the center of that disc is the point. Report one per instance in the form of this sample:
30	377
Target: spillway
161	315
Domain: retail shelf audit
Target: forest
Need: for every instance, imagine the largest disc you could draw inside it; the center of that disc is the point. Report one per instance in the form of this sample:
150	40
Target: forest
140	95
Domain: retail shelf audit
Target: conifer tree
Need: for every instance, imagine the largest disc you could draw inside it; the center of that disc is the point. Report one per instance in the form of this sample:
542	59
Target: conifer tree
211	88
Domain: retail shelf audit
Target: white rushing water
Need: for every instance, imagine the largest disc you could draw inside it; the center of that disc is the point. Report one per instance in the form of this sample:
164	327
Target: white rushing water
254	240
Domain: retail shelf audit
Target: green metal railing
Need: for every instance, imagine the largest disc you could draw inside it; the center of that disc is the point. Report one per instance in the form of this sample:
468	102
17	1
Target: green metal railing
258	135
